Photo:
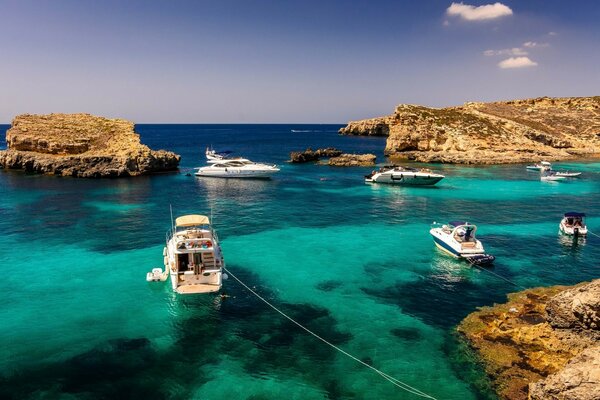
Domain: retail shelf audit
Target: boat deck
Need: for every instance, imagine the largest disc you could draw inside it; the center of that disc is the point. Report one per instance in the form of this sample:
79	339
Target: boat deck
197	288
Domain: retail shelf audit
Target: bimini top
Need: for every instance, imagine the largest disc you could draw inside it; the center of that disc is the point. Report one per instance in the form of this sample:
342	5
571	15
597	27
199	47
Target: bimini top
457	223
574	214
192	220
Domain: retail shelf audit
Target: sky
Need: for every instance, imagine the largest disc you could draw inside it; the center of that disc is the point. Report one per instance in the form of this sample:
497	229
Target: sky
284	61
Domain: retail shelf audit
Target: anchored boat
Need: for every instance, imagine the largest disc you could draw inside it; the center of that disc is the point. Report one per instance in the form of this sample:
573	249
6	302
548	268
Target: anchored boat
404	176
457	238
573	224
539	166
221	166
193	256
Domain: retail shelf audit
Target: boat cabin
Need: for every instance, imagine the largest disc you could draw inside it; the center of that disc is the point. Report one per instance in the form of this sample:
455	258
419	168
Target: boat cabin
574	220
195	246
462	232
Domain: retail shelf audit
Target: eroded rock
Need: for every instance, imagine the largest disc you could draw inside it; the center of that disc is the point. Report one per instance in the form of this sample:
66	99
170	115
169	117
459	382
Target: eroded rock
310	155
81	145
352	160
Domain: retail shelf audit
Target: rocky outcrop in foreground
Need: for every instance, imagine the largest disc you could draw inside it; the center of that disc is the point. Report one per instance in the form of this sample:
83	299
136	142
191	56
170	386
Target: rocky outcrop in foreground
543	344
352	160
490	133
81	145
310	155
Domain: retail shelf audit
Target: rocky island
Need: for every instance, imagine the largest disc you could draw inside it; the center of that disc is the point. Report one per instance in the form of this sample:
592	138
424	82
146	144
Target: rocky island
336	158
543	344
490	133
81	145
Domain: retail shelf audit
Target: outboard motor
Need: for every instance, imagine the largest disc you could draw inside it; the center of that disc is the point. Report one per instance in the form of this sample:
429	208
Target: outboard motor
575	233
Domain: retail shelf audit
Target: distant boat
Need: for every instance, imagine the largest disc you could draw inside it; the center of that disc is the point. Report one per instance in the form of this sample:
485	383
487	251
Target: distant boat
457	239
539	166
548	175
573	224
237	168
567	174
404	176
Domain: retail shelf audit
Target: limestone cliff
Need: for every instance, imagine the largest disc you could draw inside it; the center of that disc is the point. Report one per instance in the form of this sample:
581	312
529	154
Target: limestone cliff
542	344
490	133
81	145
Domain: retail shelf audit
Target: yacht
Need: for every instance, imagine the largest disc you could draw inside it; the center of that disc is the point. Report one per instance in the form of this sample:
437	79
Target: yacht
404	176
457	238
540	166
193	256
573	224
237	168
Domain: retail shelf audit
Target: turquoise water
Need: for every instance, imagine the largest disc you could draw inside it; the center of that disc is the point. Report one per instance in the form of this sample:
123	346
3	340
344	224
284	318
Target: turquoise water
353	262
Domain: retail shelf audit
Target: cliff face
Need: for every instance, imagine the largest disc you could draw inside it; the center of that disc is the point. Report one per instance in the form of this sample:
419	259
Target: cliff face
490	133
543	344
81	145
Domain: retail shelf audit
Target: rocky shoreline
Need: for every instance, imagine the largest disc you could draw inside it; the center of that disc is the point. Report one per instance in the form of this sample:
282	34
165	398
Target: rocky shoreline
489	133
543	344
81	145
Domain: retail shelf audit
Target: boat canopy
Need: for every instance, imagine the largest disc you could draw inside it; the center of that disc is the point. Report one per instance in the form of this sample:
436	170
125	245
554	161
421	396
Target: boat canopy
192	220
457	223
574	214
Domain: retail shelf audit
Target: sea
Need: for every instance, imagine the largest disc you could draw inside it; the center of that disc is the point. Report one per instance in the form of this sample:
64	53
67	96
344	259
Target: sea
352	262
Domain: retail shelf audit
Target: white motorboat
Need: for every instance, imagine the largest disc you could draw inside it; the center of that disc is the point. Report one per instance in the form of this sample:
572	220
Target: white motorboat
573	224
567	174
192	256
404	176
540	166
457	238
548	175
237	168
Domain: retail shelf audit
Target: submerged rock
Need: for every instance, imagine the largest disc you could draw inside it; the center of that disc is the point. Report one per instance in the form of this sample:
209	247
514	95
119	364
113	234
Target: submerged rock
530	344
310	155
81	145
489	133
352	160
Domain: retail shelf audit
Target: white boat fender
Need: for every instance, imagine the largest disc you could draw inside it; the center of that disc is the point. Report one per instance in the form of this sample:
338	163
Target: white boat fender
225	277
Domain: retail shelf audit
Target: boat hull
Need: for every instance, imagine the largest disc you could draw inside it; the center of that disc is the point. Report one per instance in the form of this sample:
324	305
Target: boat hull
236	174
410	179
570	230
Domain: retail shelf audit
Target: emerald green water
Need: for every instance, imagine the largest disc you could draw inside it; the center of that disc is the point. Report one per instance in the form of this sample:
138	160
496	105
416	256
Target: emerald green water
351	261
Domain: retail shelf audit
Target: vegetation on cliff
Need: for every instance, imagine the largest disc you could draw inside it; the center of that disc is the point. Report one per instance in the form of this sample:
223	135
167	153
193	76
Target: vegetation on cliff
81	145
490	133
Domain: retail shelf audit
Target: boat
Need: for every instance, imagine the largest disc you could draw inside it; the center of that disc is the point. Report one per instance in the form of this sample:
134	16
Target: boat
193	257
404	176
237	168
457	238
567	174
548	175
539	166
573	224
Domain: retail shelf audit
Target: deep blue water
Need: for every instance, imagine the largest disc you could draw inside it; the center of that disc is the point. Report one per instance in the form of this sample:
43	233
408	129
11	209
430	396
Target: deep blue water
354	262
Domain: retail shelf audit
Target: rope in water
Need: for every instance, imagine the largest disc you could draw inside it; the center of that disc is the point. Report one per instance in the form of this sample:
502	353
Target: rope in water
496	275
592	233
394	381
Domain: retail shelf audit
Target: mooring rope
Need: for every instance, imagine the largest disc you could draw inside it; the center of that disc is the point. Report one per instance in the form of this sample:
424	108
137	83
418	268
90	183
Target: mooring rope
394	381
495	274
592	233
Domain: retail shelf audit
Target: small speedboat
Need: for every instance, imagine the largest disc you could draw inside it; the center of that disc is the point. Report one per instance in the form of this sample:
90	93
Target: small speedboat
193	256
539	166
548	175
404	176
457	238
237	168
567	174
573	224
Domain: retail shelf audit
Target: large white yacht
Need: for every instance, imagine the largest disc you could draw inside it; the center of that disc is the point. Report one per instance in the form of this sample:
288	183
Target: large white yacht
457	238
193	256
223	167
404	176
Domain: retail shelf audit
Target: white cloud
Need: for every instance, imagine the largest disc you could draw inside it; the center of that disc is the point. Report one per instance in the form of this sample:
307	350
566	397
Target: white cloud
473	13
531	45
552	33
515	51
517	62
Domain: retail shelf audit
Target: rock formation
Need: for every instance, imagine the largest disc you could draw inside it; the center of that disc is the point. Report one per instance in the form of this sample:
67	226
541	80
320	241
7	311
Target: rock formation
490	133
542	344
352	160
81	145
310	155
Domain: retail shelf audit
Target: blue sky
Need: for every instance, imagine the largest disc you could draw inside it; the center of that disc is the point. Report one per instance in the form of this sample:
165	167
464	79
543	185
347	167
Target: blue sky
286	61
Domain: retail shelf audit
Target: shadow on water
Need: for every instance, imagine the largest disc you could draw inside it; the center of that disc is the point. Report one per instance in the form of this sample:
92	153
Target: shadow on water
263	342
